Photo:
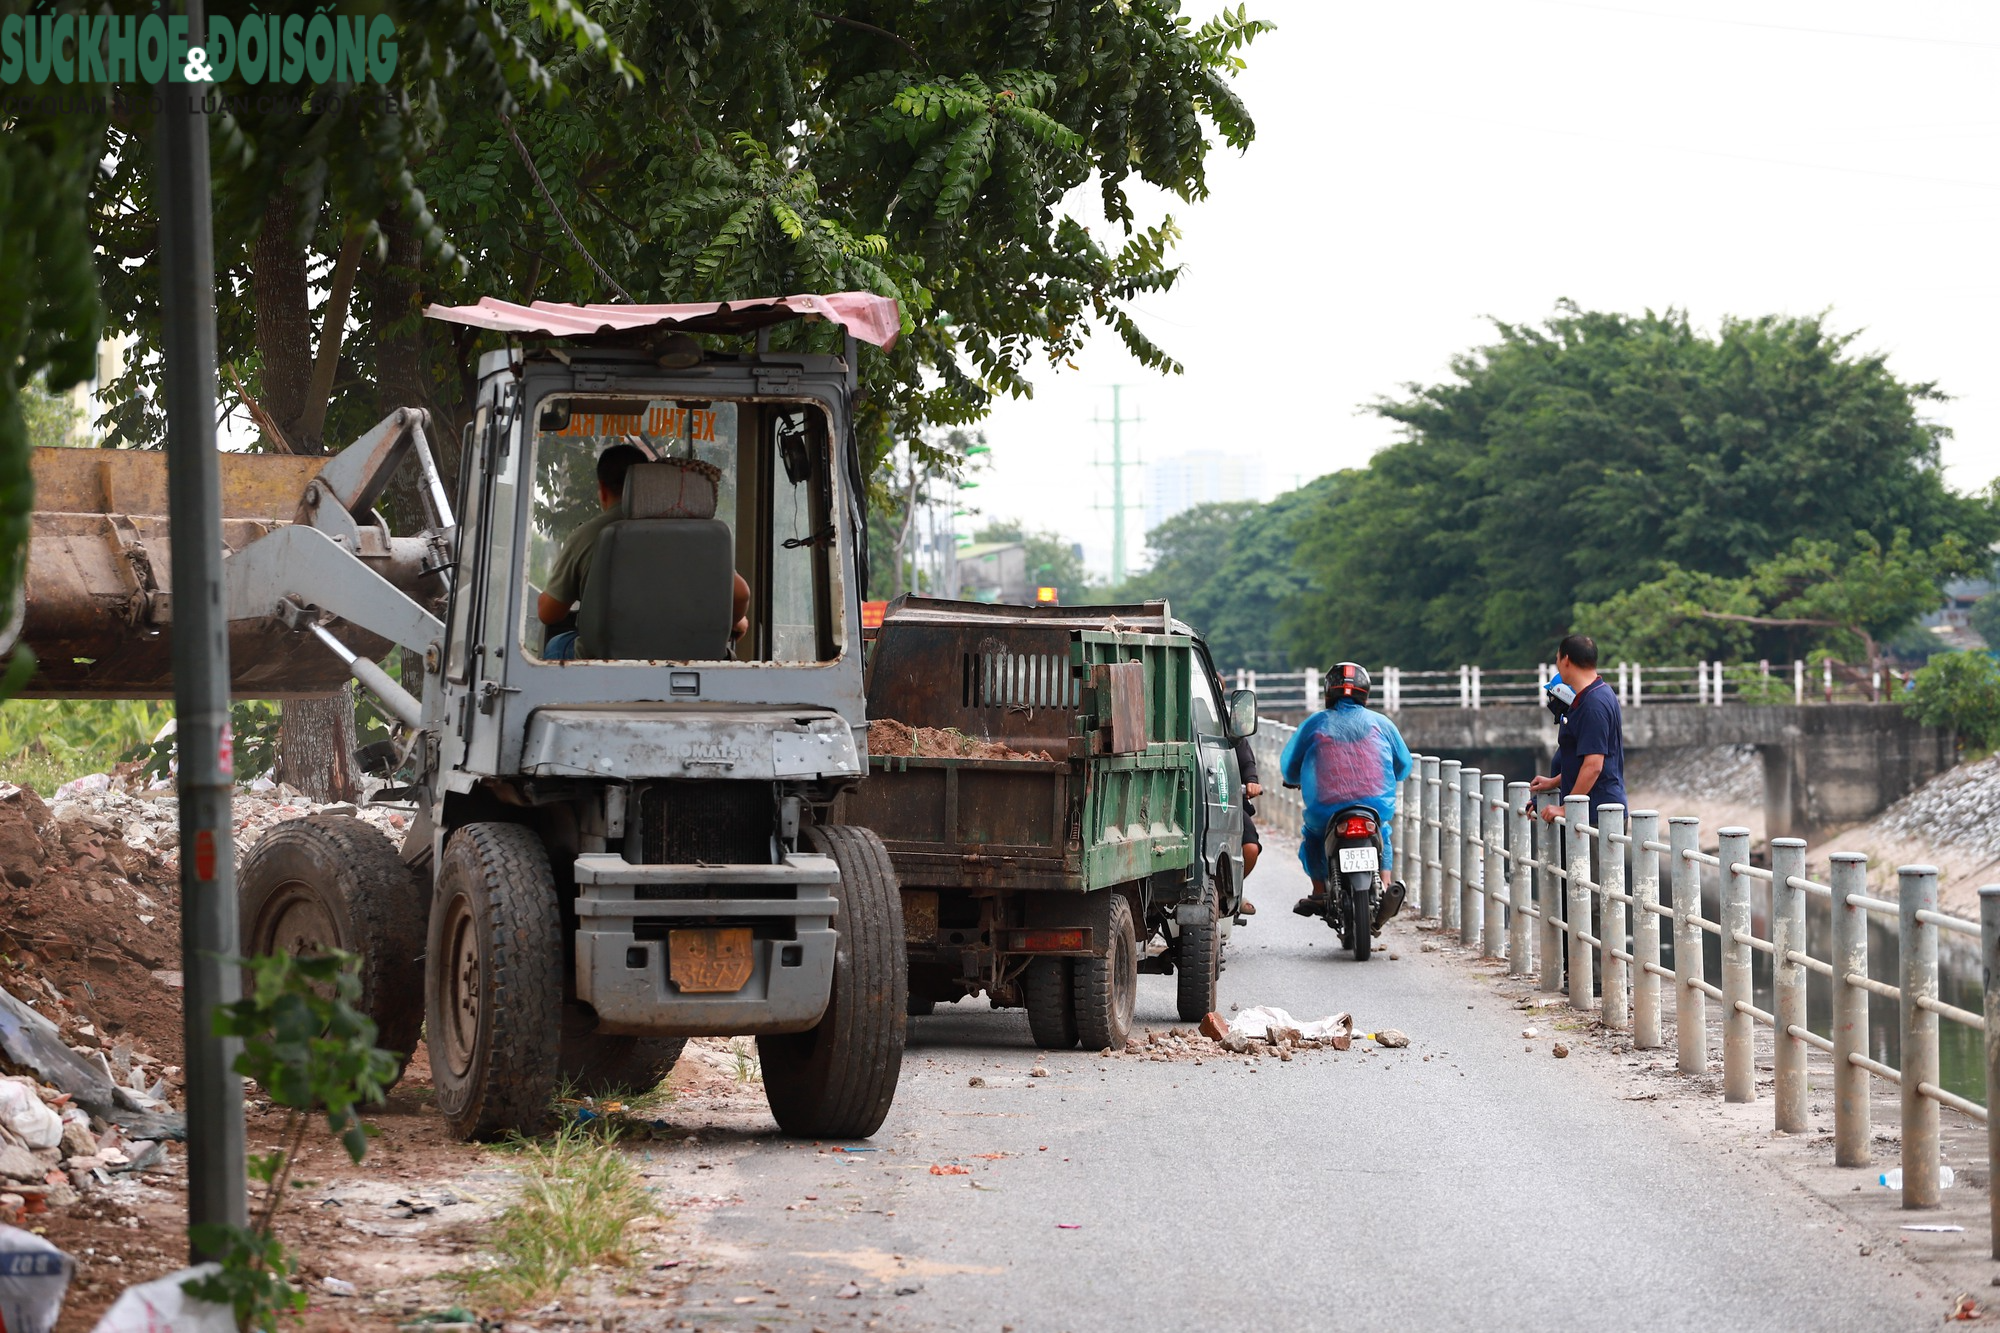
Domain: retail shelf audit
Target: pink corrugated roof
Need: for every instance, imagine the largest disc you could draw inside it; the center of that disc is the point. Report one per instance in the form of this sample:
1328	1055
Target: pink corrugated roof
871	318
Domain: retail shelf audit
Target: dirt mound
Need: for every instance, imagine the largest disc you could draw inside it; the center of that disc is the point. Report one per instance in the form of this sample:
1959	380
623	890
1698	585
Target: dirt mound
888	736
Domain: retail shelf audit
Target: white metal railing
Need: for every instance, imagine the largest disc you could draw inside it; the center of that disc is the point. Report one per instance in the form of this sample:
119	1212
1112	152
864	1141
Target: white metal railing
1638	684
1520	889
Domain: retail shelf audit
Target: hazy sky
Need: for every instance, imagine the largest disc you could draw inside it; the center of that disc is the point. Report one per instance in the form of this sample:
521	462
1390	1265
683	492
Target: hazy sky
1423	165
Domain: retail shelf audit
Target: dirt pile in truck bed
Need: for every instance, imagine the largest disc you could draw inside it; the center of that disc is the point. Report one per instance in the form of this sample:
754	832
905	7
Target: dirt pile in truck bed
887	736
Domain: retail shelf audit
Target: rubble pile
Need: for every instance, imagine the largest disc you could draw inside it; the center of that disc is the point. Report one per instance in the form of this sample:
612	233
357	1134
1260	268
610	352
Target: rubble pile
887	736
90	1014
1251	1033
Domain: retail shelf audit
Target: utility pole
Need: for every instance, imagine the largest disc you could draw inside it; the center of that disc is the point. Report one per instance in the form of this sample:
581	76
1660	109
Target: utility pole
216	1182
1117	421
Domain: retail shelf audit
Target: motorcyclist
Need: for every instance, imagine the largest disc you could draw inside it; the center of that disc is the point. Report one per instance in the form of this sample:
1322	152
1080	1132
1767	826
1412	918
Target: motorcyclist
1346	755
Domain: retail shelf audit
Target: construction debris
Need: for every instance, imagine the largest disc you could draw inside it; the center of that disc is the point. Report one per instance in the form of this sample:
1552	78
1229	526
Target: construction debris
887	736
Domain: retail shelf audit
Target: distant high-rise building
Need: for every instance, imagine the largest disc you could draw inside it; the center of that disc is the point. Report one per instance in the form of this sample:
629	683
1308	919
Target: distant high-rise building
1201	477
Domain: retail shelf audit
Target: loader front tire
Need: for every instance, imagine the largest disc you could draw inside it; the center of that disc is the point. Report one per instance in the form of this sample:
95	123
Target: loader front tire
837	1079
332	882
494	982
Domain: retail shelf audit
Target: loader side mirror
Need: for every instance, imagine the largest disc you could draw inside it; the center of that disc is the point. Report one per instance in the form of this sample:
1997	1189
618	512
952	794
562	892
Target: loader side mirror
554	415
1242	713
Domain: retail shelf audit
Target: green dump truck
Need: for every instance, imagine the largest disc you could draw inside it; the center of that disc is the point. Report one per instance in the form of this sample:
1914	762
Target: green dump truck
1062	791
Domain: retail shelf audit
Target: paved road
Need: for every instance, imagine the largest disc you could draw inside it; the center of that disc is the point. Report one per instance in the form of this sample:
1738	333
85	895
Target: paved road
1482	1187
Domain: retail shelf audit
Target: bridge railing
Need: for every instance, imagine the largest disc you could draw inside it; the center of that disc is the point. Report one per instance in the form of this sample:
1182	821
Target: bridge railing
1524	890
1638	684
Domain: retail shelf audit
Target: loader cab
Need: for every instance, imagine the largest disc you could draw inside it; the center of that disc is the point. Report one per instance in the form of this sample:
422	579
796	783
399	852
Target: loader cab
743	469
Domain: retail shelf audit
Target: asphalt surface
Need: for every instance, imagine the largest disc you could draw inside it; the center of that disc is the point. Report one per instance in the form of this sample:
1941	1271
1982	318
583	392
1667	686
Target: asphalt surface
1463	1182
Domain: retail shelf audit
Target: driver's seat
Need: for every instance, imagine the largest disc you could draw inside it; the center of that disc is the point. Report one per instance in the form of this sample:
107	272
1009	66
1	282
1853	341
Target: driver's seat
662	581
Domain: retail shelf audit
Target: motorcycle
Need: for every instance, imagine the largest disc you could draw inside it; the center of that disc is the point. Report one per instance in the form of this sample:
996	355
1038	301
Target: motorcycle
1357	902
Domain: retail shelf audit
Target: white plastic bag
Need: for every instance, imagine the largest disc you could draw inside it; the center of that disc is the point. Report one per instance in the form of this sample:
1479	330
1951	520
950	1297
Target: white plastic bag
1261	1021
160	1306
33	1277
24	1116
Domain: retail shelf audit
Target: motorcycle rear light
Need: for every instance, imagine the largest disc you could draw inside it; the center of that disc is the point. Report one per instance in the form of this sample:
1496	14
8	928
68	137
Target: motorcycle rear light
1357	826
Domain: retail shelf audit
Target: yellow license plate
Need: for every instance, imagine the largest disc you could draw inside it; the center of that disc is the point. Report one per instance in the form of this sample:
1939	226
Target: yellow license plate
710	962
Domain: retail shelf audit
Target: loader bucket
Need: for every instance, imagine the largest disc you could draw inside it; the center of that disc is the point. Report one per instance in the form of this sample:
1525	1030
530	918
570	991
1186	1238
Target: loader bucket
99	592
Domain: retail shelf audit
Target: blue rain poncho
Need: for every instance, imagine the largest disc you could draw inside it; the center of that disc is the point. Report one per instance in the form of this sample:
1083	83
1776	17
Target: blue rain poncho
1342	756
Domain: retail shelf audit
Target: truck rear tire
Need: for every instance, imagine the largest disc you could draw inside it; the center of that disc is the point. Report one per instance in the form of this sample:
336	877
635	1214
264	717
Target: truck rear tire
598	1064
1198	963
332	882
494	982
837	1080
1107	988
1048	992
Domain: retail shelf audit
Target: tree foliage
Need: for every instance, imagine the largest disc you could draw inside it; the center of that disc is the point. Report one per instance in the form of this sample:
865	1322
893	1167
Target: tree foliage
1578	460
1960	691
1053	562
1818	596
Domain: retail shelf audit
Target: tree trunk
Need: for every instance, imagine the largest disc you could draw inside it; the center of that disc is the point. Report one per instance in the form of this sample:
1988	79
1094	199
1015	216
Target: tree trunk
316	746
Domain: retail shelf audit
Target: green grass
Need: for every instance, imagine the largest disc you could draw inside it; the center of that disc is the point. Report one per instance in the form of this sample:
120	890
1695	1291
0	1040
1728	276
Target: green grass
47	742
578	1194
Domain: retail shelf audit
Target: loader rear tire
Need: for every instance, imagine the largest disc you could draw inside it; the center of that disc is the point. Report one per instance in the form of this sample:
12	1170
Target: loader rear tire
1047	990
837	1079
597	1064
1198	963
332	882
494	982
1107	988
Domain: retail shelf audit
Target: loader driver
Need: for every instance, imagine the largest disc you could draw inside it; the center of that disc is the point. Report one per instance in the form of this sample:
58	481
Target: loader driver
572	567
1346	755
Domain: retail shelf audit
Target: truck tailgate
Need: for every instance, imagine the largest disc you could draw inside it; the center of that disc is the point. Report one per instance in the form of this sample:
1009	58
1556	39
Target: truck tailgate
970	823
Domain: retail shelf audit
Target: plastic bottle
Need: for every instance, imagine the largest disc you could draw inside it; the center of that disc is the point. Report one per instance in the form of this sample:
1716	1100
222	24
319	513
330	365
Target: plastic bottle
1893	1179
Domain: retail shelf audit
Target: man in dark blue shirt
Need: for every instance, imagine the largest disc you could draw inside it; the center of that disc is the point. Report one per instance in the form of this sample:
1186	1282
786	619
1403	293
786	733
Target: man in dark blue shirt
1590	742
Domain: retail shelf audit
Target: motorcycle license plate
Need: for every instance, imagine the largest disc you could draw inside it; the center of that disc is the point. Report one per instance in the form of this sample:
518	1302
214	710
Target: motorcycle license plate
1358	858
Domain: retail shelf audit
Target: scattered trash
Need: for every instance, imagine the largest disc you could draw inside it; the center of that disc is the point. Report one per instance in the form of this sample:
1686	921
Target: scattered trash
338	1286
950	1169
1561	1052
25	1119
1929	1226
1039	1071
1966	1308
1392	1038
34	1275
849	1292
975	1082
1069	1226
1531	1033
1893	1178
1280	1028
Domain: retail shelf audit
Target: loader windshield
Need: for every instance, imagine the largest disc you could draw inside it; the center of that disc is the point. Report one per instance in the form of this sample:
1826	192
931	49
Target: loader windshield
681	530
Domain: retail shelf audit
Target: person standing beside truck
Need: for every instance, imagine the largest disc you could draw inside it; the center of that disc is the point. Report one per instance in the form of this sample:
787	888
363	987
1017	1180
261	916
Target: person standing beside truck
1253	842
1345	755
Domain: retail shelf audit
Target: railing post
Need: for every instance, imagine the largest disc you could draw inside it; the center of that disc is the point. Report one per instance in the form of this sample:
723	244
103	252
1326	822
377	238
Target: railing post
1405	792
1638	685
1798	681
1917	948
1548	900
1690	1004
1853	1121
1739	1029
1788	983
1614	1007
1645	931
1521	888
1472	859
1451	844
1313	699
1428	898
1493	799
1582	972
1989	967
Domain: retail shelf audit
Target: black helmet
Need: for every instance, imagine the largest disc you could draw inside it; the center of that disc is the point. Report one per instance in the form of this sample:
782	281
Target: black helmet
1348	680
